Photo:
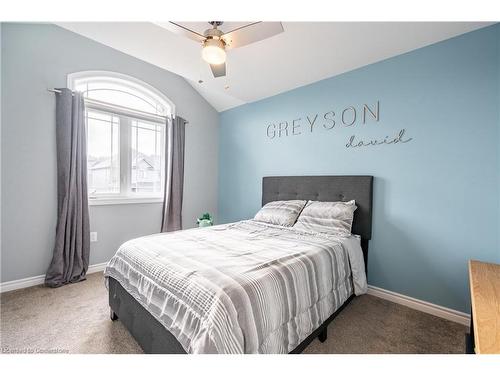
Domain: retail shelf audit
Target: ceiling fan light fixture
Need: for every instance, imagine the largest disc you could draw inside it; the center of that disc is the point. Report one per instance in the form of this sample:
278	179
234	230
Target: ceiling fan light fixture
213	51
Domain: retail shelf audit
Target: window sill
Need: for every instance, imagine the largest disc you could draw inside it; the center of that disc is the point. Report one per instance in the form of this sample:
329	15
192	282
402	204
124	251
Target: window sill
114	201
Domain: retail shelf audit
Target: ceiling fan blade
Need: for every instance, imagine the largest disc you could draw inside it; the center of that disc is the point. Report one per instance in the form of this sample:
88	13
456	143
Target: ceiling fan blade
251	33
218	70
177	28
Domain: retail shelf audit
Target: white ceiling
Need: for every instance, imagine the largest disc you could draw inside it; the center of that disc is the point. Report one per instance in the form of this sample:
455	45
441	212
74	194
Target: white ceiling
305	52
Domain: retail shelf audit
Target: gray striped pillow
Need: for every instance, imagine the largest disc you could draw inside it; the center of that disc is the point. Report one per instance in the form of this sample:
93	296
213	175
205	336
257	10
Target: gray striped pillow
282	213
327	217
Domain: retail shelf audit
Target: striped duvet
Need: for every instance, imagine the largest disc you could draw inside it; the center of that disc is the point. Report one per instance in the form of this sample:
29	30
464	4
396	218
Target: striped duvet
245	287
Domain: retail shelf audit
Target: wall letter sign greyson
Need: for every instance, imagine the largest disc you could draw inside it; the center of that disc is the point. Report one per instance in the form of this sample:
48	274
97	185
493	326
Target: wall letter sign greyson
349	117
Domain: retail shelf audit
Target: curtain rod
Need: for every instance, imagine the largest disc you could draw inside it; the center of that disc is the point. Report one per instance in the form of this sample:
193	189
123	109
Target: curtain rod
56	91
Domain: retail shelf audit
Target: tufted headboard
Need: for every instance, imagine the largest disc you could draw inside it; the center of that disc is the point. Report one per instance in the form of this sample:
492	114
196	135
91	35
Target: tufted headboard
326	188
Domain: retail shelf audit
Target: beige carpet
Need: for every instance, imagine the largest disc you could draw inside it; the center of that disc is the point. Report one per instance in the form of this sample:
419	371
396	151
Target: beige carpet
75	319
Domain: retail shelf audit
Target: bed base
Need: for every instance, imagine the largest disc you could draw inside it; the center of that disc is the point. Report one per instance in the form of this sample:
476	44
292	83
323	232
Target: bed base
149	333
154	338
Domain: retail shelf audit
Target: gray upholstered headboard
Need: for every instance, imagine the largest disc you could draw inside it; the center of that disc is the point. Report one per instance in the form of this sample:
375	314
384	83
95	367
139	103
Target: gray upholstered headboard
326	188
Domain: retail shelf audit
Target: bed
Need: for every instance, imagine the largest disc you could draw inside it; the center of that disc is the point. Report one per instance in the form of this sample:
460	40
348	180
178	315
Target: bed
244	287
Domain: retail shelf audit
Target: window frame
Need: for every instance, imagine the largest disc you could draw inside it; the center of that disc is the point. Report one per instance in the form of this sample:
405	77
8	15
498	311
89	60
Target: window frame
126	116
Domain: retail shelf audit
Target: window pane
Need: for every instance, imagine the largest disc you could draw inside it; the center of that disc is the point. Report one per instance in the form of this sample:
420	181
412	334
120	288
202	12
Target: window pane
125	94
103	153
147	157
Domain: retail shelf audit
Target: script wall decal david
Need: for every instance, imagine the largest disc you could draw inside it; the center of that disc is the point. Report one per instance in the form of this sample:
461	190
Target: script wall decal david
350	117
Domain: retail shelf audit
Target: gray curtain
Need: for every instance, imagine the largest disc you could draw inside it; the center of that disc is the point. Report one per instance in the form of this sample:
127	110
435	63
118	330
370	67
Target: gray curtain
174	175
70	260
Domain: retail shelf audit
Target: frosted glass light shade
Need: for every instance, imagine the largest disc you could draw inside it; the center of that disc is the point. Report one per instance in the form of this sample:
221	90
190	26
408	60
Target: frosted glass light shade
213	52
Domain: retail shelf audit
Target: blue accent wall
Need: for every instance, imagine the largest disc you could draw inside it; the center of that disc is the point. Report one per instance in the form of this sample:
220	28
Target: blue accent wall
436	197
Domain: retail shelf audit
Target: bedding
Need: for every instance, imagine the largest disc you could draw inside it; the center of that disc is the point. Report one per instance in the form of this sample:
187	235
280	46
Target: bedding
327	217
281	212
245	287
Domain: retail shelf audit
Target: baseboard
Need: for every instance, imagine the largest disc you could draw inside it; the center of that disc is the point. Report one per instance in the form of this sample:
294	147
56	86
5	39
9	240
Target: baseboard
38	280
97	267
417	304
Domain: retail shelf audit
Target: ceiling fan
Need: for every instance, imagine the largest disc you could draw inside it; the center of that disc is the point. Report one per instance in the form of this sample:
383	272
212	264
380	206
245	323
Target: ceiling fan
215	42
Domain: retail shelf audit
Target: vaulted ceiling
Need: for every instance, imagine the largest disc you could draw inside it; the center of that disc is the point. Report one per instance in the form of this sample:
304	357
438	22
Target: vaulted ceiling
305	52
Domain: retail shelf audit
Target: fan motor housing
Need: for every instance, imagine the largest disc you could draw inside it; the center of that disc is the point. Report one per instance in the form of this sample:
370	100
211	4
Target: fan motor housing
213	33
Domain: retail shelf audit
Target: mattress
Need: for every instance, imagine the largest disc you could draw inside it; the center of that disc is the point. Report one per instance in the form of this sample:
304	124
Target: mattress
245	287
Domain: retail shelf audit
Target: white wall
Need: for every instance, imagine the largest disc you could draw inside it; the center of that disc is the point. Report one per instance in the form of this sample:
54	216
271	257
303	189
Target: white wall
36	57
0	145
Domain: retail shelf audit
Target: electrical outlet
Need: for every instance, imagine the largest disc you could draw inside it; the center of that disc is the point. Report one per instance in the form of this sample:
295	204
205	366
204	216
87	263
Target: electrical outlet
93	236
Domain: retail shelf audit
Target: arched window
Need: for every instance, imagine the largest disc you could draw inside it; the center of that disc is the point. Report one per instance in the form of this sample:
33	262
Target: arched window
125	121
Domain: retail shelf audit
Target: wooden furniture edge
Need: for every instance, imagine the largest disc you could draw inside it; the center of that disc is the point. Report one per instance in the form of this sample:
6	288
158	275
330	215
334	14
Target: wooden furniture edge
473	309
484	282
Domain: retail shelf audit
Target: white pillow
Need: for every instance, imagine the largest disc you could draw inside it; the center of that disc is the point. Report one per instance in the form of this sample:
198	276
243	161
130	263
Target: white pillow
282	213
327	217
